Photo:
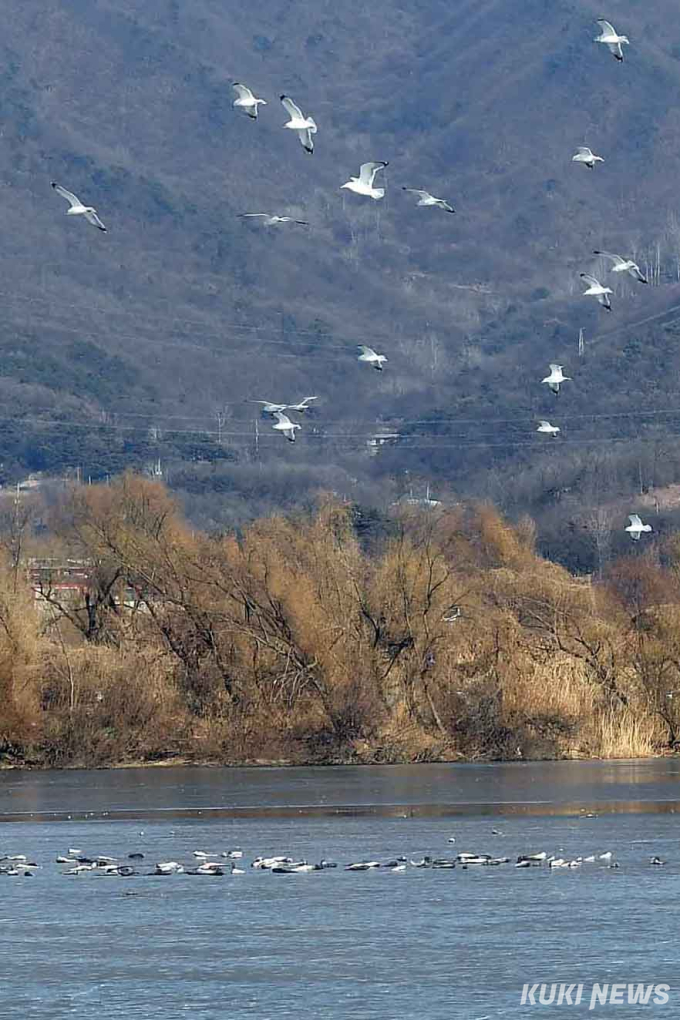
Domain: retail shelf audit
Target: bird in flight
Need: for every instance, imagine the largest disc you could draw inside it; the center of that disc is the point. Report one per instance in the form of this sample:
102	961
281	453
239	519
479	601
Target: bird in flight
271	221
555	378
595	289
610	37
622	265
427	199
587	156
363	184
369	356
77	208
246	101
305	126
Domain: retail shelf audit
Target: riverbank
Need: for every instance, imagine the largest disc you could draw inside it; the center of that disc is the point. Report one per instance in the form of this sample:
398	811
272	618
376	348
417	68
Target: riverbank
292	643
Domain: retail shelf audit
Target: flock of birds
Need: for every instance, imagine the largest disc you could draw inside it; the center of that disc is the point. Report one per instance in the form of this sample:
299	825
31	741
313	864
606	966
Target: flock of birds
229	862
364	185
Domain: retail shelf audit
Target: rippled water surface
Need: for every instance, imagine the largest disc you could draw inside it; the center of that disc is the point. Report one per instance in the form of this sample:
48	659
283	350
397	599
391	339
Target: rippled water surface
335	944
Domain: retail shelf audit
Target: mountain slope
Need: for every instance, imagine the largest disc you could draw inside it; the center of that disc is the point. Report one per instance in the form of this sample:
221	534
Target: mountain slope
183	311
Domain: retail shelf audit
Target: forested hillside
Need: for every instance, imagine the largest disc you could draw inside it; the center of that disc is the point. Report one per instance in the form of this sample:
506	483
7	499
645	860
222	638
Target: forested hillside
144	344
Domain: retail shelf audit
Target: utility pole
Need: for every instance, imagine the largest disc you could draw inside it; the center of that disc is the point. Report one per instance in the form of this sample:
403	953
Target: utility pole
257	439
221	419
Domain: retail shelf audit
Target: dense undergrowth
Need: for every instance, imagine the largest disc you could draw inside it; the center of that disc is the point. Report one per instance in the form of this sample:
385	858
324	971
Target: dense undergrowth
289	641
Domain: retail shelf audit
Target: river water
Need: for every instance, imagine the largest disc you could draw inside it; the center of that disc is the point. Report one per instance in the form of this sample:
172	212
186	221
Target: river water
421	944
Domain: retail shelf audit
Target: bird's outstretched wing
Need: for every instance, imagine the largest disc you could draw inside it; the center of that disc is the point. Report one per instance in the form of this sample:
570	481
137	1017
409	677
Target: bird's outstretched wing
92	218
306	140
417	191
590	280
583	150
367	350
545	424
282	418
616	259
634	520
253	215
68	195
607	27
555	368
243	92
294	111
367	172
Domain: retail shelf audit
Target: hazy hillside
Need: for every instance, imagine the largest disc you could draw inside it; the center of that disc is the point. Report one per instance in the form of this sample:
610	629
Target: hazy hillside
123	348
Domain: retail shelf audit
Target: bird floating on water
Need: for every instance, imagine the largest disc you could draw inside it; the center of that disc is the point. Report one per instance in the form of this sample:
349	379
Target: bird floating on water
305	126
587	156
611	39
595	289
545	426
77	208
636	527
371	358
246	101
427	199
622	265
555	378
363	184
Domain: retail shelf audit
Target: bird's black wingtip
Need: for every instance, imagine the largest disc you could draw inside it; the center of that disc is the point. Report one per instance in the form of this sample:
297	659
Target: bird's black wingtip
284	96
53	183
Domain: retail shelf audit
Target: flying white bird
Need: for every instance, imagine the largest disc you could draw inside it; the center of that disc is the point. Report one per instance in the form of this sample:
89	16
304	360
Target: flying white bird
271	221
304	126
301	407
636	527
555	378
285	425
545	426
246	101
427	199
371	358
611	39
77	207
624	266
595	289
587	156
270	408
363	184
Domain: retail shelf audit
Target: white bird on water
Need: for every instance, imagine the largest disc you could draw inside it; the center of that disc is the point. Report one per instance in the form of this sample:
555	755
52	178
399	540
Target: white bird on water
622	265
545	426
268	220
636	527
555	378
427	199
305	126
610	37
285	425
587	156
363	184
371	358
77	208
595	289
246	101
